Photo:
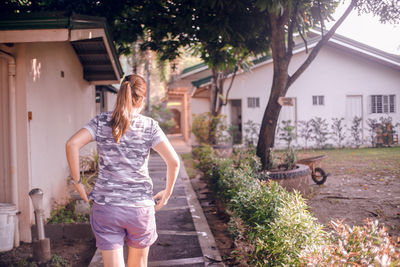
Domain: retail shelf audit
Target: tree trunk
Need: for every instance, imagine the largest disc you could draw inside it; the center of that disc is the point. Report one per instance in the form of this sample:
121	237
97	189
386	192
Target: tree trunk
215	105
269	123
279	87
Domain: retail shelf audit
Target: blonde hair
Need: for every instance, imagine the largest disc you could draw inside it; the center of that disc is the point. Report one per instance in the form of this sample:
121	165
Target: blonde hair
133	90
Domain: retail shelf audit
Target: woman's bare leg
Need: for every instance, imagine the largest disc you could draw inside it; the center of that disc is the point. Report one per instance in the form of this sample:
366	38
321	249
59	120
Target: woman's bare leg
137	257
113	258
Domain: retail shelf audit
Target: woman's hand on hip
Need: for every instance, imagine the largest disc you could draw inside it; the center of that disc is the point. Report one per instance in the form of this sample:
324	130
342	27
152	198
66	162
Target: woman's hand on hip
161	199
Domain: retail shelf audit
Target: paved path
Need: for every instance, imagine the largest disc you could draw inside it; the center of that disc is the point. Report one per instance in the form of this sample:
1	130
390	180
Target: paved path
184	238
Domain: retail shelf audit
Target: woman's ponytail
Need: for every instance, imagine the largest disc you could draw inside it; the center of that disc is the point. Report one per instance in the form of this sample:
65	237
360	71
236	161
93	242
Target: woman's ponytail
131	91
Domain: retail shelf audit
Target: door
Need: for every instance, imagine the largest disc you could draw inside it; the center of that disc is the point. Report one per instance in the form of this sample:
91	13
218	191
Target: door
5	179
236	120
354	107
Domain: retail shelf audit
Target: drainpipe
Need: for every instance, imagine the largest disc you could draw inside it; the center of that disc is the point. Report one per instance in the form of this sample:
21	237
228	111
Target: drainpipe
13	136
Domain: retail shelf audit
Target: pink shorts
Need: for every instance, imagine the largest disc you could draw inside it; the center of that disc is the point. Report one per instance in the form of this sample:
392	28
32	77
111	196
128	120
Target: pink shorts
112	225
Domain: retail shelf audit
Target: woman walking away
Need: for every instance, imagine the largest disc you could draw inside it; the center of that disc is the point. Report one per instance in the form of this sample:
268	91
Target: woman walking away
123	202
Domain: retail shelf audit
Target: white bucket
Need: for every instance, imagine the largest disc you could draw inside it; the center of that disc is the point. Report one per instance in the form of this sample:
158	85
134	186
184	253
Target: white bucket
8	212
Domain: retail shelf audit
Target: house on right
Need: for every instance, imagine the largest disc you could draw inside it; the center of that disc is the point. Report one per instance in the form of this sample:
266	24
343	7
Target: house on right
347	79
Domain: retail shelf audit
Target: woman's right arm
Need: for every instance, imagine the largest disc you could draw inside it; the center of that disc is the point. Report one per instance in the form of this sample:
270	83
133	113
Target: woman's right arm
170	157
72	147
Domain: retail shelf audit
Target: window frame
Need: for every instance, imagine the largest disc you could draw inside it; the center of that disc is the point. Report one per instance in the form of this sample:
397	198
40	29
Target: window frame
253	102
383	104
318	100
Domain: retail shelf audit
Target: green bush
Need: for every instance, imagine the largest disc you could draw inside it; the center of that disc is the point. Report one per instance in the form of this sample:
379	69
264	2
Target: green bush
66	214
276	223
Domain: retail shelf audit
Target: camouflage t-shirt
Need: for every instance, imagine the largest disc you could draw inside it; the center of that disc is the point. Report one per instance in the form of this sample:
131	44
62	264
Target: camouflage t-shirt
123	174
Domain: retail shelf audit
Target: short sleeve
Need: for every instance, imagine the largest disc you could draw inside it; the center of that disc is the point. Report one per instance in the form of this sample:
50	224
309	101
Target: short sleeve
157	135
92	126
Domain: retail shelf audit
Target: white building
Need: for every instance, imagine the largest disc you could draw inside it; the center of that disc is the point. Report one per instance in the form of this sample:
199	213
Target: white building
50	65
346	79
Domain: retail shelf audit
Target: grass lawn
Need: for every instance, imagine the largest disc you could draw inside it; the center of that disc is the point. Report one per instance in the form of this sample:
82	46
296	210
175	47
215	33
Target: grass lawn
379	161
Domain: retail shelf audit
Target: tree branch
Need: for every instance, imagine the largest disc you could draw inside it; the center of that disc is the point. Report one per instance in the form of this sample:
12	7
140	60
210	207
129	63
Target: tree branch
229	88
289	51
302	36
320	44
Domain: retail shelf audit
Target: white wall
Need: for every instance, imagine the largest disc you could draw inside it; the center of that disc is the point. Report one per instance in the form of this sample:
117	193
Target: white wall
335	73
111	100
60	106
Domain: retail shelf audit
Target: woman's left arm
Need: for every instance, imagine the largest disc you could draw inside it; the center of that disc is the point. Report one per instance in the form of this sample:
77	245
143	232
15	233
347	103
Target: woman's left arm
72	147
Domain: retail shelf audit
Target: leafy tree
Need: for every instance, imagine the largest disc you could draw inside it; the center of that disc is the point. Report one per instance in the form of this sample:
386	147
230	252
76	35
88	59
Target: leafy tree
287	17
224	34
338	130
126	18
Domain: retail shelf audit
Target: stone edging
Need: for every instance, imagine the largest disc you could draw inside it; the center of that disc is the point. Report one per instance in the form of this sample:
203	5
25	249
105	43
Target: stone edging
205	236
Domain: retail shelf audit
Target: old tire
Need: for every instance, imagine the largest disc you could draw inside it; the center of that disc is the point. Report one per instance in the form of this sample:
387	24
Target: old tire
319	176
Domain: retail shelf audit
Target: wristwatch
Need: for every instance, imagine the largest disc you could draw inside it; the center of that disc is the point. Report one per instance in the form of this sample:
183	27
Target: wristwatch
76	182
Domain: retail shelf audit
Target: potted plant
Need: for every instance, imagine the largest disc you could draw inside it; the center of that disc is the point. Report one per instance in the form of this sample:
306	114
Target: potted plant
285	170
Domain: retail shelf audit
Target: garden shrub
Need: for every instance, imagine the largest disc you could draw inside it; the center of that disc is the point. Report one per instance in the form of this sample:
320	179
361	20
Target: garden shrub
338	131
276	223
367	245
209	129
320	131
66	214
305	131
356	131
287	132
273	227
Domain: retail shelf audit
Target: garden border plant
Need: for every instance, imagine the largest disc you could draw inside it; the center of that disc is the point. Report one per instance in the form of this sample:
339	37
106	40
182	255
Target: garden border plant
275	228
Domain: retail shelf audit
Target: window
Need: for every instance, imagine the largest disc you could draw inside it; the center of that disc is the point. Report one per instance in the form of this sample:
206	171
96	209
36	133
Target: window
383	104
318	100
253	102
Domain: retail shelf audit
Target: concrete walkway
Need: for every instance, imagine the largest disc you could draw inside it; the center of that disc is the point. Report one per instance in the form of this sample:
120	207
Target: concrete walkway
184	238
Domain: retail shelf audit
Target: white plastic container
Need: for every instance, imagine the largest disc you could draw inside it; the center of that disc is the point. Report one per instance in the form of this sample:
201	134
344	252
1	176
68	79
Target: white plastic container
8	212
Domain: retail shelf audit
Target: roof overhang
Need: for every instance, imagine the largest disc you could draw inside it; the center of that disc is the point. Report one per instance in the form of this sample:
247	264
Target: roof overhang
336	40
88	35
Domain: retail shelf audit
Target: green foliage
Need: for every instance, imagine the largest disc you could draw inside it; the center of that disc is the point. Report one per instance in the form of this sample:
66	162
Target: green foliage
289	159
58	261
287	132
163	116
320	131
338	129
367	245
372	127
66	214
251	130
201	127
276	223
209	129
305	131
355	131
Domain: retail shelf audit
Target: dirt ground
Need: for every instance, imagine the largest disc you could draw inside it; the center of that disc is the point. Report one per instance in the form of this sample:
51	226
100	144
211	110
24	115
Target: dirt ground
363	184
68	253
